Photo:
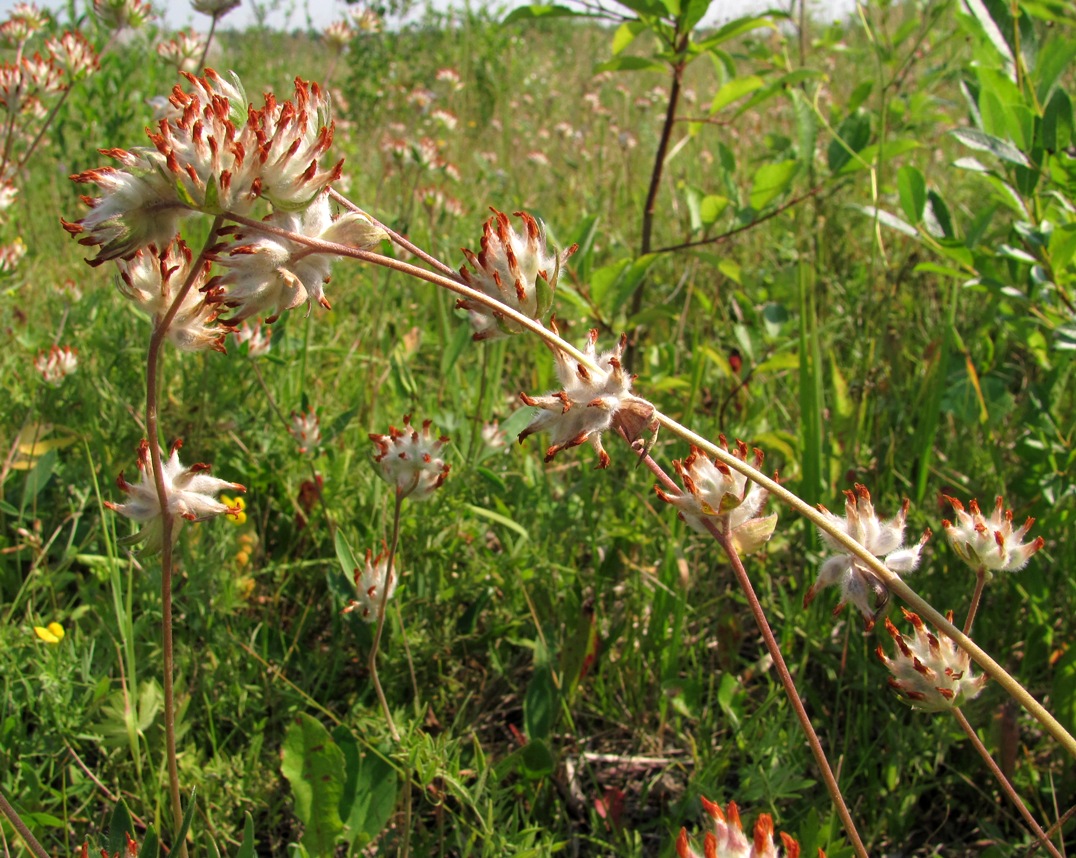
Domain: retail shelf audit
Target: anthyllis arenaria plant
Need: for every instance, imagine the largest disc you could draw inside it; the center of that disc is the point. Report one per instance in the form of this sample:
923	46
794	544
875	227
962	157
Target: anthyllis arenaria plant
375	584
716	496
858	583
594	395
990	544
516	269
409	459
929	670
191	492
263	176
726	839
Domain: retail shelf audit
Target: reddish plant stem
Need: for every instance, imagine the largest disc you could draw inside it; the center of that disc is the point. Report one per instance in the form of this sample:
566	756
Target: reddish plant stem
160	332
976	599
830	780
1006	784
24	832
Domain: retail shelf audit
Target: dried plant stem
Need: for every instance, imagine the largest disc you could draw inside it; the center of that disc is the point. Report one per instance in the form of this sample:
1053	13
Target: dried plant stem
1006	785
891	579
160	332
24	832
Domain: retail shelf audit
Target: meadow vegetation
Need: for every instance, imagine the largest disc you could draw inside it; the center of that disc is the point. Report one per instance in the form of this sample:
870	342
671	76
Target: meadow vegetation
833	275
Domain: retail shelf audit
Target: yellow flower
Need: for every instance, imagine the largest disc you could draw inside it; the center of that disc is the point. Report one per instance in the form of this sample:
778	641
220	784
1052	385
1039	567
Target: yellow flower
237	515
53	633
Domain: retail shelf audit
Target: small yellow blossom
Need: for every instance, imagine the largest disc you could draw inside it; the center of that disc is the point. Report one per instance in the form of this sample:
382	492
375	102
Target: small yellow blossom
238	506
53	633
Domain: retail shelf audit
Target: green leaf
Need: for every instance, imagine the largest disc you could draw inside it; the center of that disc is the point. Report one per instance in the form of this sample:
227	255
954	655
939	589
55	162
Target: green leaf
983	142
869	154
1057	122
246	848
313	765
937	214
496	517
770	181
912	188
854	133
370	790
38	477
457	342
734	90
540	702
711	207
645	7
625	34
737	27
533	13
630	64
188	816
151	846
990	28
890	220
119	827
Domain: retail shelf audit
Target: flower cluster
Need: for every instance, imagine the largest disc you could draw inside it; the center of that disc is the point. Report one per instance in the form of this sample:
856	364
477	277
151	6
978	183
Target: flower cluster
306	429
590	401
56	364
409	459
120	14
191	495
183	50
929	670
152	280
727	839
513	268
268	273
989	544
337	36
858	583
370	585
717	495
214	155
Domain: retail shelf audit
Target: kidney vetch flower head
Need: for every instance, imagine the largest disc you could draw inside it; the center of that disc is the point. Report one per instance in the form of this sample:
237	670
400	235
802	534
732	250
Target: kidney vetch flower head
516	269
589	401
727	839
191	492
370	584
929	670
989	544
859	584
409	459
714	492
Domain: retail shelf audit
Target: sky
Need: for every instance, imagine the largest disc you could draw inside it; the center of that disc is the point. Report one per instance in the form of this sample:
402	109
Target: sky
290	14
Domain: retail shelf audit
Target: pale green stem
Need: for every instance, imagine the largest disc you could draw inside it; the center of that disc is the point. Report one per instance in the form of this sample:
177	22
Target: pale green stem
889	578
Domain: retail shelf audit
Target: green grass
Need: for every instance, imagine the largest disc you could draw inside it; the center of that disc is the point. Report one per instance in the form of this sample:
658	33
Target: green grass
855	369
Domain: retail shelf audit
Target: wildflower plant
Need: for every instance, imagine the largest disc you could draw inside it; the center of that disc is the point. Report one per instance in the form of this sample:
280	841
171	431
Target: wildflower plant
262	180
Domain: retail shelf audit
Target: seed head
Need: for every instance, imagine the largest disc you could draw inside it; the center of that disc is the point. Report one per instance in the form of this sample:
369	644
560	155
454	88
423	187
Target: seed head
989	544
859	584
929	670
